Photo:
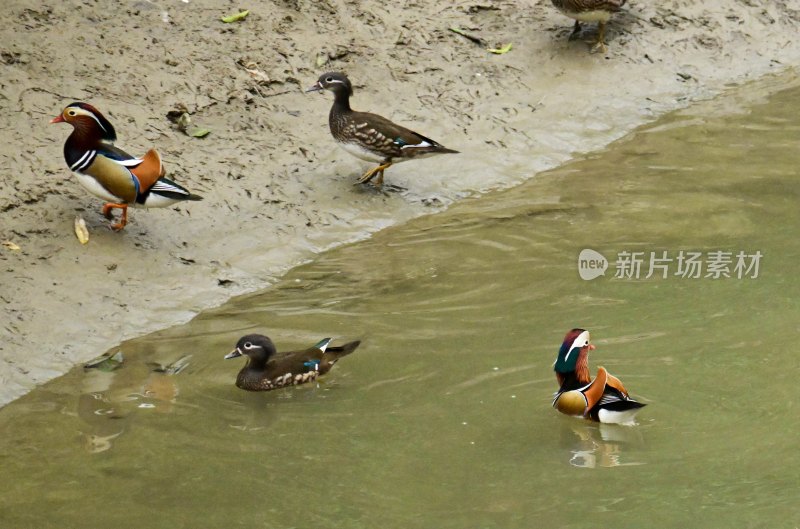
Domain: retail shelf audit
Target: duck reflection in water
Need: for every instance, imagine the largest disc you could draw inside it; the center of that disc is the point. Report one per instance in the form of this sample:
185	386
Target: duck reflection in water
111	395
593	445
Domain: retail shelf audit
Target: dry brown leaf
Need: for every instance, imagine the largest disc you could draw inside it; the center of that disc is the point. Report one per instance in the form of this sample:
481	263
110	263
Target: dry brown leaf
81	230
11	246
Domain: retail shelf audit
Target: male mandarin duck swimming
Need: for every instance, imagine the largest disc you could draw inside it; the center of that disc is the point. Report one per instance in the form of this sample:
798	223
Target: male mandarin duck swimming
109	172
368	136
599	11
603	399
267	369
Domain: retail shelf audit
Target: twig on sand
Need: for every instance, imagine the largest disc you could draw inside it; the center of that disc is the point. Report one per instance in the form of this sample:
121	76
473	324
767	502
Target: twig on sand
473	38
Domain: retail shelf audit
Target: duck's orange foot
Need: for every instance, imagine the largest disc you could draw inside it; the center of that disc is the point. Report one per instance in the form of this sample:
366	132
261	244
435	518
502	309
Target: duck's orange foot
123	220
377	171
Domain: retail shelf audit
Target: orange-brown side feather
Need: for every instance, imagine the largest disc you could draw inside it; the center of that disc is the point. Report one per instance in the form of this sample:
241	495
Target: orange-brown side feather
150	170
616	383
594	392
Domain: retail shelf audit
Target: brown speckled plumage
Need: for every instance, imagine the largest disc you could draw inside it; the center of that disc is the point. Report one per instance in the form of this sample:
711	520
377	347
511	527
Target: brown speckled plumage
578	6
599	11
267	369
370	136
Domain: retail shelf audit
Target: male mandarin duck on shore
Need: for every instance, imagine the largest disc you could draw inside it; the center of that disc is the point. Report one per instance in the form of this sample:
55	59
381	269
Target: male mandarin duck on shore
599	11
109	172
368	136
266	369
603	399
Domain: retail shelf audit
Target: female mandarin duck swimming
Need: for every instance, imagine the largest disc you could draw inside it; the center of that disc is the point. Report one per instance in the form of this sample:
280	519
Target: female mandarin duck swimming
109	172
267	369
368	136
599	11
603	399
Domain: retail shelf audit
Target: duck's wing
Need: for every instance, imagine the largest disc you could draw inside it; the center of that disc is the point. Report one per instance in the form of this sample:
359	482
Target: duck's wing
602	5
616	408
293	363
595	389
146	171
150	170
112	152
616	383
109	166
391	139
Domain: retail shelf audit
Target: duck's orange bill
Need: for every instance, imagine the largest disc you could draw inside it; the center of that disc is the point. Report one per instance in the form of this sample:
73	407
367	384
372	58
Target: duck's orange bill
57	119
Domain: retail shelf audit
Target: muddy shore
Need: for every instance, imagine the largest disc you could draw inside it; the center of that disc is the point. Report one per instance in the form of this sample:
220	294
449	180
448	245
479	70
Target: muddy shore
277	190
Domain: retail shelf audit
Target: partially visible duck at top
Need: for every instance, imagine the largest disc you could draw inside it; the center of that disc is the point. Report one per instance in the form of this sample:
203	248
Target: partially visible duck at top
599	11
368	136
110	173
603	399
267	369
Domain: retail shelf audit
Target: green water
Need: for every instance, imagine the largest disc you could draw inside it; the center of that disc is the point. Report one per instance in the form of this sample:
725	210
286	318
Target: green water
442	418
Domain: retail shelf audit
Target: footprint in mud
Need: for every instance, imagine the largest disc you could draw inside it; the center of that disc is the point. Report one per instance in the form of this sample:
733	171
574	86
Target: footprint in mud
385	189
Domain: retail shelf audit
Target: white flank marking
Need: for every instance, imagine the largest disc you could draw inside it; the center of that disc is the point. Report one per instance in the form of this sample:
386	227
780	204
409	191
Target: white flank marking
158	201
625	418
133	162
360	152
417	146
94	187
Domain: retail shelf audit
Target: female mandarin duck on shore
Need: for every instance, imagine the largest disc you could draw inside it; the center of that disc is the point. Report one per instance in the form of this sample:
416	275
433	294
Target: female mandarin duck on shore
109	172
599	11
603	399
267	369
368	136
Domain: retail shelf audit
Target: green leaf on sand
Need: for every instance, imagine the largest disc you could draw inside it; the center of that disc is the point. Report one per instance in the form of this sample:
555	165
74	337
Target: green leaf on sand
197	132
237	17
500	51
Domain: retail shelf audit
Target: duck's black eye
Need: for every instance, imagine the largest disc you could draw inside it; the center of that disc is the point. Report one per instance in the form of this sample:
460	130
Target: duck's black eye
248	345
329	80
587	342
71	112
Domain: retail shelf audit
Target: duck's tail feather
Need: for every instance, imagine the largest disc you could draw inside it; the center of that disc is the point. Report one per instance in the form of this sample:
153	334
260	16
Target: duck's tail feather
322	345
342	350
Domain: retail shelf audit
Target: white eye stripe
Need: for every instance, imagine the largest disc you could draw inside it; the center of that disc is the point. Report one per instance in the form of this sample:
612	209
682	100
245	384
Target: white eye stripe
581	341
87	113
